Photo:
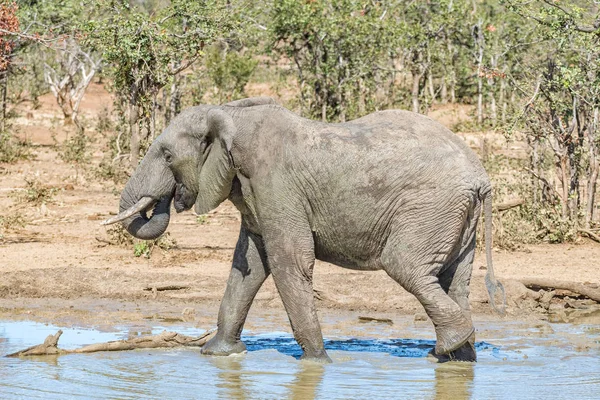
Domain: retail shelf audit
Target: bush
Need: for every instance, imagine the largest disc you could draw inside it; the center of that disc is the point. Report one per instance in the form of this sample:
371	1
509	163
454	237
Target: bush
12	150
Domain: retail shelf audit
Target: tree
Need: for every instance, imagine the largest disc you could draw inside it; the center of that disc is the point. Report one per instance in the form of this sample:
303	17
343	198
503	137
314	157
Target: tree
339	51
68	65
69	78
145	51
9	25
228	70
562	112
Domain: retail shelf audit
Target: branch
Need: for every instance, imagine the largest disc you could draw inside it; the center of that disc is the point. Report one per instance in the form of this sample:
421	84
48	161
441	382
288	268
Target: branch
33	38
584	29
184	66
508	205
163	340
589	234
530	102
548	283
545	182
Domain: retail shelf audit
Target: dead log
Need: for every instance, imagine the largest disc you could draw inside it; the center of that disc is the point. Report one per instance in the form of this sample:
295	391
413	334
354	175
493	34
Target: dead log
551	284
373	319
49	347
165	288
163	340
589	234
508	205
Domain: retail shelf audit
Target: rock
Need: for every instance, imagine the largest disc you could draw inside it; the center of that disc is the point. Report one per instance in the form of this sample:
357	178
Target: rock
189	314
421	317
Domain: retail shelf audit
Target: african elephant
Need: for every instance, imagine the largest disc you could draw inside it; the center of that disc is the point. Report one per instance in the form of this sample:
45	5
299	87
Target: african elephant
393	190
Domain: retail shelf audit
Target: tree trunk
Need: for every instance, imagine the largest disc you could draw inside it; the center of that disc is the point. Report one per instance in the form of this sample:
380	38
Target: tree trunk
479	43
594	160
493	112
453	88
175	101
134	129
563	165
431	88
324	106
443	90
502	99
3	99
480	97
416	78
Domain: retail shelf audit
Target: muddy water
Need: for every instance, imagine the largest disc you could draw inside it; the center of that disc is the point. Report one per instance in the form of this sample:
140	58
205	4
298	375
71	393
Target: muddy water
516	360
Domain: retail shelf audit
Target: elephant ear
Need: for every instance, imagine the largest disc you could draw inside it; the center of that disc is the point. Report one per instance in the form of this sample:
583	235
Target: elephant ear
217	172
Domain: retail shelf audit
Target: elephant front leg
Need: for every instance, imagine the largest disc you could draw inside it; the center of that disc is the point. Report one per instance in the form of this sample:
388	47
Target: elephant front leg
248	272
292	261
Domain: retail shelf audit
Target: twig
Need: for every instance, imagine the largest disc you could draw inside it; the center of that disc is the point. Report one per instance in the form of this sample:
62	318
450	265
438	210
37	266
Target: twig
109	242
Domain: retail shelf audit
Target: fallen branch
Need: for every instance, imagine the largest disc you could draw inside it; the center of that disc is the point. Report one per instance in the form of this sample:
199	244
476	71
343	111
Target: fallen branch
549	284
589	234
106	241
164	288
508	205
163	340
373	319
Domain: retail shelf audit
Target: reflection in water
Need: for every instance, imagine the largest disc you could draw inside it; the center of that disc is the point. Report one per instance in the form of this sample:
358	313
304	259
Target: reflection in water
238	381
306	383
230	376
454	380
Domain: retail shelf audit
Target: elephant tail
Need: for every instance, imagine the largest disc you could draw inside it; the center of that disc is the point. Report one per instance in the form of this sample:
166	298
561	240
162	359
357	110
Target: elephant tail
491	283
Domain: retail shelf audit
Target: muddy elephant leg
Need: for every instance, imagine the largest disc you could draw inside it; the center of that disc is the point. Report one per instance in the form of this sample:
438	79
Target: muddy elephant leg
418	277
455	281
248	272
292	258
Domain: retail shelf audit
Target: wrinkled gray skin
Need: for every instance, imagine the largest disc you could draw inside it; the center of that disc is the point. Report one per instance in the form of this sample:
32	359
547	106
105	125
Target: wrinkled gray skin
393	190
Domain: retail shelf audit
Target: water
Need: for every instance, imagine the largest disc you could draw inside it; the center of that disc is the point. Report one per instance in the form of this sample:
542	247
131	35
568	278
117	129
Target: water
522	361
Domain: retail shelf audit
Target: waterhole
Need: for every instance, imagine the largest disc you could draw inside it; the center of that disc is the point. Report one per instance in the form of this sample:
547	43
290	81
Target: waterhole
516	361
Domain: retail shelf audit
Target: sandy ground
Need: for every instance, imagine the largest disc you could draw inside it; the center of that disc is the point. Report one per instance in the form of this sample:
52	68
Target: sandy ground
59	266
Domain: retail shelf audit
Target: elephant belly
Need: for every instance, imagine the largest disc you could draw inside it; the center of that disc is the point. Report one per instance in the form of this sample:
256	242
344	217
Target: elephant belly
346	254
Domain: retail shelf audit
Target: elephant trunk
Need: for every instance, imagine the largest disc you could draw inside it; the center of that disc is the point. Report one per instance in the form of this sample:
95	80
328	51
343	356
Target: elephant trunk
145	192
142	226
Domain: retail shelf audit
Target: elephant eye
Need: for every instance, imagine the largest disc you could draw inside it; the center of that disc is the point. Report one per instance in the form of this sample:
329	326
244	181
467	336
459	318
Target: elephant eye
168	158
204	145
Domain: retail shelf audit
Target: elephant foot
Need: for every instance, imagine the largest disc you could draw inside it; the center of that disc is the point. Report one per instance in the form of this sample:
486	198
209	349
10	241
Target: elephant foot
320	357
218	346
453	337
465	353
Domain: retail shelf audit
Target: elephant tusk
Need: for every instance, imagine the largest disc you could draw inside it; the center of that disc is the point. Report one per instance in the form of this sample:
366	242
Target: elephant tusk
143	204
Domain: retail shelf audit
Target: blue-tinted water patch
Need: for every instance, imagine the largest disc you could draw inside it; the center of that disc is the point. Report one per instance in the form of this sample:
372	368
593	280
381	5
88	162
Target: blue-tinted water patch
287	345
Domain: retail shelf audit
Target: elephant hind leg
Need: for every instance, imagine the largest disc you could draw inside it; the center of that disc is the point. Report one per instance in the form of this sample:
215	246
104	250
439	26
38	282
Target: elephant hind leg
455	280
456	277
419	277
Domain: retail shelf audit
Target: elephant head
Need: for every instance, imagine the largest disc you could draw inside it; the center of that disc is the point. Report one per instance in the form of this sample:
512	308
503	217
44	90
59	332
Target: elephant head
189	163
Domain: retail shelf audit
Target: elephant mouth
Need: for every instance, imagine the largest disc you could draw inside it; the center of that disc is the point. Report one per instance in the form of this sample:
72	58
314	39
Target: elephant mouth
184	198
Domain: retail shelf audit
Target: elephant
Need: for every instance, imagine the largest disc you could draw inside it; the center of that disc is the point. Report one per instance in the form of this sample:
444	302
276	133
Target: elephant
393	191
